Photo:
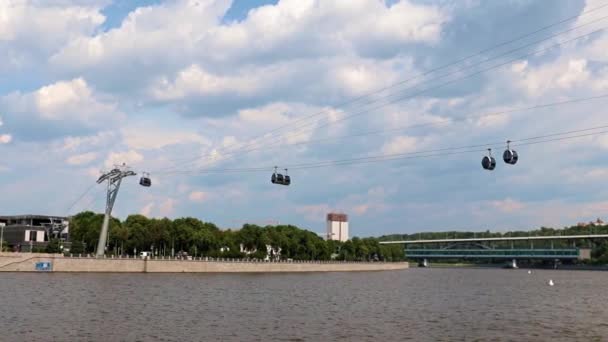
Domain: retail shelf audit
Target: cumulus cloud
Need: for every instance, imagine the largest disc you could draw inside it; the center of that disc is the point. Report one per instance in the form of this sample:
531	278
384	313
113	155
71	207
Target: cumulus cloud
70	100
508	205
314	212
60	108
147	210
5	138
194	81
72	143
150	137
563	74
30	30
181	79
400	144
167	207
198	196
130	158
80	159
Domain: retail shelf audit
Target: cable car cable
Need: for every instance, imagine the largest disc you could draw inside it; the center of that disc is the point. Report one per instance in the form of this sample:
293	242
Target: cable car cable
466	58
449	82
428	124
399	99
417	154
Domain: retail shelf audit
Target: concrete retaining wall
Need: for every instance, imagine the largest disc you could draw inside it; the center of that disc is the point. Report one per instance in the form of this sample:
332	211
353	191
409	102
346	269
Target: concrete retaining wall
26	262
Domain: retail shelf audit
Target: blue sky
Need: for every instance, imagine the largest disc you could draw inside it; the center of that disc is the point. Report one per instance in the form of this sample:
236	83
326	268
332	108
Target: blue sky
178	88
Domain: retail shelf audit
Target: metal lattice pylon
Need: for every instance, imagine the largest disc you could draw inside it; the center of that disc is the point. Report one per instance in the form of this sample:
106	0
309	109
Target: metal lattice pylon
114	179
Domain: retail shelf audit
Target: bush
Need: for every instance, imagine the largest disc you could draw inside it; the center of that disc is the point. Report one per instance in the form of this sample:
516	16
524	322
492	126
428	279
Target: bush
53	246
77	247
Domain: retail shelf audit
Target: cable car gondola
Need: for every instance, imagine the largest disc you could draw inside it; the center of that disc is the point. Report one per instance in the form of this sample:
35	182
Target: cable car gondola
488	162
510	156
287	179
145	180
280	179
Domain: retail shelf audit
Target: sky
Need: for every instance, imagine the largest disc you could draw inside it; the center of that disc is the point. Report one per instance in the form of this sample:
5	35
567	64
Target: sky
207	96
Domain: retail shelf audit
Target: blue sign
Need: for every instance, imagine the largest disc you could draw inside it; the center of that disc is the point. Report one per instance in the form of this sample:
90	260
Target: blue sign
43	266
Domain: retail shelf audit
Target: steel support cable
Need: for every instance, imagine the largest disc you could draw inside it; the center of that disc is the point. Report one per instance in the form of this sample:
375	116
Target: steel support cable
424	91
420	154
449	64
402	98
488	145
340	105
437	69
80	197
429	124
347	162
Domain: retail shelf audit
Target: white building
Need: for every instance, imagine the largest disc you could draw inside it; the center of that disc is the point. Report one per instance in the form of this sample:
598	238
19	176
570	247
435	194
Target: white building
337	227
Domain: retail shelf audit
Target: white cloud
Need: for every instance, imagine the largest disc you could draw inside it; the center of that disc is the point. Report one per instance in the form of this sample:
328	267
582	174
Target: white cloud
155	137
130	158
183	49
198	196
562	74
72	143
167	207
67	102
147	209
401	144
159	208
30	29
80	159
148	34
314	212
5	138
194	81
508	205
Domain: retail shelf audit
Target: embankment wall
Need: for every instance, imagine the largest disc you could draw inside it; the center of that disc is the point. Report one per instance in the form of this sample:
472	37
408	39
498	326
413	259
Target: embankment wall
26	262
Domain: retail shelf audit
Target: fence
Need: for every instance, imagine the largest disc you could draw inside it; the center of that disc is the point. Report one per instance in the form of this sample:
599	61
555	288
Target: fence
230	260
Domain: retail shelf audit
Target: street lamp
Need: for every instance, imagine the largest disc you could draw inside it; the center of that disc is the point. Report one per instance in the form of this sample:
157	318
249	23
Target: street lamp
2	224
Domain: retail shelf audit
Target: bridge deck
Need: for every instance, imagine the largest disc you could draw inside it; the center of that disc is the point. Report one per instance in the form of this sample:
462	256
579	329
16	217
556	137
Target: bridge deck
515	238
572	253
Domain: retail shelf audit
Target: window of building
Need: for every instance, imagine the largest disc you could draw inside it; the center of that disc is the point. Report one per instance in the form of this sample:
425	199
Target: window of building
32	235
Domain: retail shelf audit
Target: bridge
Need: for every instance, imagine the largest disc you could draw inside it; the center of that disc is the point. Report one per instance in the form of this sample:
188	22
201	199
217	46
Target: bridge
552	254
501	239
482	248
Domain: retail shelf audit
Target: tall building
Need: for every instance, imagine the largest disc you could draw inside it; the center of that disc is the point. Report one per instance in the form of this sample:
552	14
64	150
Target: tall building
337	227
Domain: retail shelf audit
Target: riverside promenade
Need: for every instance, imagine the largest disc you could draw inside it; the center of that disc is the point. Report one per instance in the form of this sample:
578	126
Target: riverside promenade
38	262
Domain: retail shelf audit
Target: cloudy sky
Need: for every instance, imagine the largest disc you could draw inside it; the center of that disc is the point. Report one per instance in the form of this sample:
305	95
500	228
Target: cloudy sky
180	87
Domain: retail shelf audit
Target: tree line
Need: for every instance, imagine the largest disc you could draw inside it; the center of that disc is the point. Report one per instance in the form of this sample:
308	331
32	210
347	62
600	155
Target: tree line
166	237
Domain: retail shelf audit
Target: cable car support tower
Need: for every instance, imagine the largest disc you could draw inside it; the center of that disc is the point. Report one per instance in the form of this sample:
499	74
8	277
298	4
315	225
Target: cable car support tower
114	179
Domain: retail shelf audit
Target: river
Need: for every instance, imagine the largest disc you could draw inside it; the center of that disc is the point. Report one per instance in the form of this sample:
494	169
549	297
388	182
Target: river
411	305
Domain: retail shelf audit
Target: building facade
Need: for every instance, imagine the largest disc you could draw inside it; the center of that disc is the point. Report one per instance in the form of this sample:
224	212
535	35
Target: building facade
337	227
26	232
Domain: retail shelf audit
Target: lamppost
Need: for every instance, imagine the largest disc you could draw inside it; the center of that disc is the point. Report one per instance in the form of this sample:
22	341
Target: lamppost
2	224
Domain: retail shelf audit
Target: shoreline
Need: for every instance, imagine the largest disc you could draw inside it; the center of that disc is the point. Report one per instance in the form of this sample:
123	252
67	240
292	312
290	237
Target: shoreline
57	263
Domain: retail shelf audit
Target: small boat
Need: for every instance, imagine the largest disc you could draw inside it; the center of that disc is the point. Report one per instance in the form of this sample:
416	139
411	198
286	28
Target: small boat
551	283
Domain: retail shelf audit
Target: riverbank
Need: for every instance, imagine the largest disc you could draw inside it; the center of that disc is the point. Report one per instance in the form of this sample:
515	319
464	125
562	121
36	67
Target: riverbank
34	262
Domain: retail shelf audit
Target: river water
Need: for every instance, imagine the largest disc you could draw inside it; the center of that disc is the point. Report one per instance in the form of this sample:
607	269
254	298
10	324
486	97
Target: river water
411	305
